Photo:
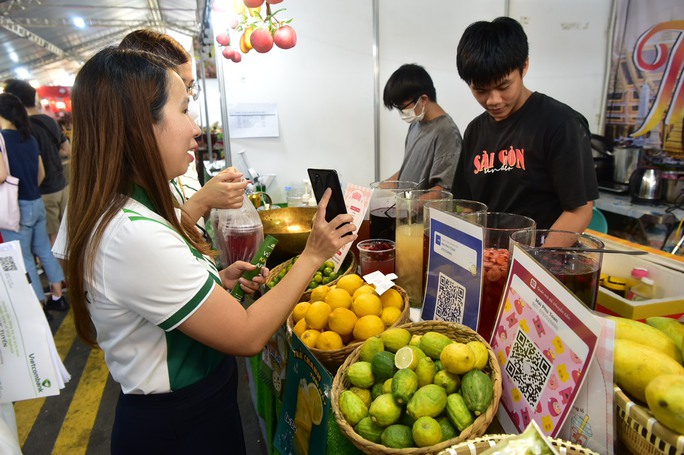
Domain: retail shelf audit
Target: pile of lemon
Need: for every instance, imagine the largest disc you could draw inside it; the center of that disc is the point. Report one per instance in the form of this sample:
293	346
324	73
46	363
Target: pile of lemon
345	313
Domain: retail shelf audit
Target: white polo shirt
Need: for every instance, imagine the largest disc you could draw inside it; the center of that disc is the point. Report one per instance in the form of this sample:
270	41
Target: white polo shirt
147	281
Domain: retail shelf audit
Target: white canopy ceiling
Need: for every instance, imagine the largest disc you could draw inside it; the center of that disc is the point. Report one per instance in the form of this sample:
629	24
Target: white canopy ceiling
39	41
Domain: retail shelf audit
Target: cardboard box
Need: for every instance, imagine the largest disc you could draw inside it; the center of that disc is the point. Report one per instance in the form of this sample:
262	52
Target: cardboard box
669	284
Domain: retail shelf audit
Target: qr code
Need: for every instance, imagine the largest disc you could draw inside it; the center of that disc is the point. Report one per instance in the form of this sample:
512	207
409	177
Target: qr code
8	264
528	368
450	300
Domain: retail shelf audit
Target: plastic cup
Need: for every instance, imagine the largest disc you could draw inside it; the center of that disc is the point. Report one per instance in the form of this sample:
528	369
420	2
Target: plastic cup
578	270
497	230
409	240
376	255
382	207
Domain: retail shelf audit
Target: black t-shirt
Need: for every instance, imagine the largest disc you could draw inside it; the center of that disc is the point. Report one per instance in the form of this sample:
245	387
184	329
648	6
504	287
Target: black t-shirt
50	137
536	163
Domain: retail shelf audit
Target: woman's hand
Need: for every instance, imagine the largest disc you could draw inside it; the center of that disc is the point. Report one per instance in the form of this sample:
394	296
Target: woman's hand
223	191
327	238
233	274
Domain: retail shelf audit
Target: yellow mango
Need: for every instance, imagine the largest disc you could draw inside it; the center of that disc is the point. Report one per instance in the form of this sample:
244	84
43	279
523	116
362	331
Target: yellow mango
636	365
639	332
665	398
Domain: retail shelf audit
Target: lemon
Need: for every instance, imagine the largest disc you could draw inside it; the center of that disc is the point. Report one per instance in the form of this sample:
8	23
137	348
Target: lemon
457	358
408	357
368	326
481	353
449	381
370	347
309	337
365	289
426	432
366	304
361	374
392	298
395	338
319	293
425	371
338	298
329	341
342	321
415	341
387	386
315	404
364	394
390	315
384	410
317	316
300	310
350	283
299	328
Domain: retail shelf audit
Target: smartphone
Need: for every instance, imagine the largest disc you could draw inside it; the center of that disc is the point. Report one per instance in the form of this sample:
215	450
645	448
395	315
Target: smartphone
321	179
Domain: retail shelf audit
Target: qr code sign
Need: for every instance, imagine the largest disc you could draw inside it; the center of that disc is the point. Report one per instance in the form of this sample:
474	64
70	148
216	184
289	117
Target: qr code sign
528	368
450	300
8	264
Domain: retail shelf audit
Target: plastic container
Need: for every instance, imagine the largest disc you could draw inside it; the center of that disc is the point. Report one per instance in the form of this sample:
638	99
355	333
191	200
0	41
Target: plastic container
635	277
642	291
616	284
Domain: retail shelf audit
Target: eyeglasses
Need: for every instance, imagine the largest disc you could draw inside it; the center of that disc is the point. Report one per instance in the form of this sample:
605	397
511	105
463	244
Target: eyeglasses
194	90
405	106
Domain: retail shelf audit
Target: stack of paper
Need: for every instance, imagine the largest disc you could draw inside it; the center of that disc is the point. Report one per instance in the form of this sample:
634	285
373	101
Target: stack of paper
30	366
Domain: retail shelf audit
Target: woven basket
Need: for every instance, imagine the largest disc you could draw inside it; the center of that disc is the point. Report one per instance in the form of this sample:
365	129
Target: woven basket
348	266
333	359
640	432
479	445
454	331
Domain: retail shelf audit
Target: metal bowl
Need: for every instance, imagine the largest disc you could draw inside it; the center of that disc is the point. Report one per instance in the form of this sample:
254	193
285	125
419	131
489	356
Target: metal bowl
291	226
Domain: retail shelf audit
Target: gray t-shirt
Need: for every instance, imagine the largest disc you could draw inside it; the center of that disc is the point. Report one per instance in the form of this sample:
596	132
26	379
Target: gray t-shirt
431	153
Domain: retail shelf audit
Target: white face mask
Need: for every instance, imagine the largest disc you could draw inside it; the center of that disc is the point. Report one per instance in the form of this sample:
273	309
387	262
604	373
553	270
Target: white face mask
409	115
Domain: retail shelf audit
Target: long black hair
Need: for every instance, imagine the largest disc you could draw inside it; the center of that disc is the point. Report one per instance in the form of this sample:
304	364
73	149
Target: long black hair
11	109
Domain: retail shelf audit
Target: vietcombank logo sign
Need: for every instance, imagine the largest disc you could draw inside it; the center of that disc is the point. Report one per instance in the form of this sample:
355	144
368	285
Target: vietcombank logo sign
40	385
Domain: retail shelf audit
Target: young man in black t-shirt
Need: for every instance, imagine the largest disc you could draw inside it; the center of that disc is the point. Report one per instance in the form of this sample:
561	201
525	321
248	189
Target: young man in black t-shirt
527	153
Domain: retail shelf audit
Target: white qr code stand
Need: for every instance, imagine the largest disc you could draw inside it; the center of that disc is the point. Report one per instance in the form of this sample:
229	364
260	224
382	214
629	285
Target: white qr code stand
552	350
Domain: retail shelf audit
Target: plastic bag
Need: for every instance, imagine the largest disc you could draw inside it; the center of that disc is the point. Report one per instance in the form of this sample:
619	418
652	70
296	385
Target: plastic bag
239	232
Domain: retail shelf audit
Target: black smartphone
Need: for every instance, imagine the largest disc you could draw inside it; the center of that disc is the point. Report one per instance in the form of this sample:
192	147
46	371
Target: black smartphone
321	179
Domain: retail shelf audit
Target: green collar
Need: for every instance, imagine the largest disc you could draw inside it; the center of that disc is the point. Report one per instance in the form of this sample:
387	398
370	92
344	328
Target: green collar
140	195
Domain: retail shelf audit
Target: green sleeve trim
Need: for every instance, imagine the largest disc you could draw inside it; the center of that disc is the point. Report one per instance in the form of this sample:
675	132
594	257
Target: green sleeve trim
189	307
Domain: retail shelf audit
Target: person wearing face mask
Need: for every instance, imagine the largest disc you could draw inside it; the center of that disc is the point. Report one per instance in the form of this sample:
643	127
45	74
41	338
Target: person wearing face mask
433	141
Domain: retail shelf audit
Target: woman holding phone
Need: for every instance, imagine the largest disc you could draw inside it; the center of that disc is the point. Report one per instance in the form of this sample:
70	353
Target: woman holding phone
144	285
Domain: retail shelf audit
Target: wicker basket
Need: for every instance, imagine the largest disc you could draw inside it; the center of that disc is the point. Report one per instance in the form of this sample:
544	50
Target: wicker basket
454	331
348	266
479	445
333	359
640	432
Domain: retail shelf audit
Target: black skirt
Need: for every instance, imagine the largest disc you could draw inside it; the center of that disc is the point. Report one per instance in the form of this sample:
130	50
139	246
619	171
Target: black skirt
203	418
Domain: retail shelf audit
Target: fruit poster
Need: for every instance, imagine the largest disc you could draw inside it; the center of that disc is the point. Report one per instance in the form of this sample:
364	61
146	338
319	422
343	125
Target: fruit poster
356	198
454	278
545	340
303	423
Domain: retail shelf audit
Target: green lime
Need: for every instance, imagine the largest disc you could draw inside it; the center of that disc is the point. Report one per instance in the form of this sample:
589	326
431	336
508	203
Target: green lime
330	264
370	347
327	271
